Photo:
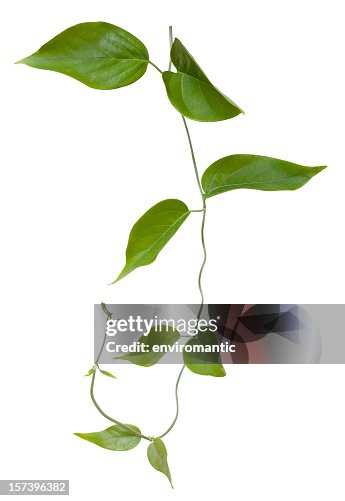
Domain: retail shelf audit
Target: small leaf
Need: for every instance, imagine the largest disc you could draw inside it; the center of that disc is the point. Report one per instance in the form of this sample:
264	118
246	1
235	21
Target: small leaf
106	373
158	457
163	337
114	438
152	232
205	363
191	92
106	311
99	55
91	371
255	172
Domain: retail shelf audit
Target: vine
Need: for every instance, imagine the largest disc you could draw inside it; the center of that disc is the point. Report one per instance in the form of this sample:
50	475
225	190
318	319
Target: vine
104	56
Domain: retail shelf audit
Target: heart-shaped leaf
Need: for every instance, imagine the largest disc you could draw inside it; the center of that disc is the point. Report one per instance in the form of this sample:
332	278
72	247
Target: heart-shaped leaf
160	338
192	93
255	172
158	457
203	357
152	232
114	438
100	55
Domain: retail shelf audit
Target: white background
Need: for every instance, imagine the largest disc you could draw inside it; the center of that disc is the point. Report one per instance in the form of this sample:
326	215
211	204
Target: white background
80	166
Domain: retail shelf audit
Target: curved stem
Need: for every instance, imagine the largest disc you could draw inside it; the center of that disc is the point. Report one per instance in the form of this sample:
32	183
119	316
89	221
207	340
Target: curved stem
155	66
203	210
177	403
203	216
102	347
204	260
109	315
124	426
193	160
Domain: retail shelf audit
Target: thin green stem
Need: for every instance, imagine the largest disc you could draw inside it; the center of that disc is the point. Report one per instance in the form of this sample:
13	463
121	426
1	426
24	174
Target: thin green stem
204	260
203	217
109	315
171	39
203	210
155	66
124	426
177	403
193	159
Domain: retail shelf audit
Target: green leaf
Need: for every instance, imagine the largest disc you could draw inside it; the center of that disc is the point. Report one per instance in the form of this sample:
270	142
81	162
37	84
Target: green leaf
99	55
114	438
192	93
106	373
152	232
158	457
163	337
255	172
205	363
91	371
106	311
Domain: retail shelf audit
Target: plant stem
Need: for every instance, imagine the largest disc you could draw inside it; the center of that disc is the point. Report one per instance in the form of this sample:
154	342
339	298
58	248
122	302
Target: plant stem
155	66
203	216
193	159
204	260
126	427
171	39
177	403
203	210
109	315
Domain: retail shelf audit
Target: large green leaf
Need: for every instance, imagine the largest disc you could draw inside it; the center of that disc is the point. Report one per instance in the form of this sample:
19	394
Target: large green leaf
192	93
152	232
158	457
160	338
205	363
99	55
255	172
114	438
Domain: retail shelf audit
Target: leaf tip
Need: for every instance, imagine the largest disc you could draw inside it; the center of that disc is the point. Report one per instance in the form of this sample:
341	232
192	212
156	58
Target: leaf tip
116	280
122	275
222	372
21	61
